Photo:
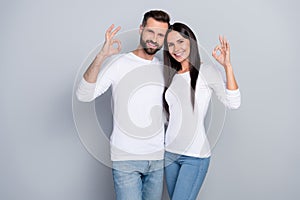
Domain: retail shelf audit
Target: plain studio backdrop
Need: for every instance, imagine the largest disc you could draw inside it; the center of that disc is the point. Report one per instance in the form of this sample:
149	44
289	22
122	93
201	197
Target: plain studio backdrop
43	44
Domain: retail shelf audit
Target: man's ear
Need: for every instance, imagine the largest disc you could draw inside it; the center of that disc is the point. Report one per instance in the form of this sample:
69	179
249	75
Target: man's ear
141	29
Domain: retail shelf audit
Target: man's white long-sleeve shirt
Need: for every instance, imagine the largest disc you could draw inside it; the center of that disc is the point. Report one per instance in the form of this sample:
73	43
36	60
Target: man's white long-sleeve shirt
137	88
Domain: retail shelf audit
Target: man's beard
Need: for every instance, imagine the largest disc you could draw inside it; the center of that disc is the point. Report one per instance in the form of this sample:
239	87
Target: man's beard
149	51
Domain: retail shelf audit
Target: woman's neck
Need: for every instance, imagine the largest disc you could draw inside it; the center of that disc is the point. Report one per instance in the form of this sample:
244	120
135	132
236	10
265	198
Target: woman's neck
184	68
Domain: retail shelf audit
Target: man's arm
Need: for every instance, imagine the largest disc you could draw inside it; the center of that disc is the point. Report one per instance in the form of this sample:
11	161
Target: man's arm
86	90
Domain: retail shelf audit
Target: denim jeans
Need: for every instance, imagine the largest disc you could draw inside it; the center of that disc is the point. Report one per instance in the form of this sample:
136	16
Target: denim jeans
138	180
184	175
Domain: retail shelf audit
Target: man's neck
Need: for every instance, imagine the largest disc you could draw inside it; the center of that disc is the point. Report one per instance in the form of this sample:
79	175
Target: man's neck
140	52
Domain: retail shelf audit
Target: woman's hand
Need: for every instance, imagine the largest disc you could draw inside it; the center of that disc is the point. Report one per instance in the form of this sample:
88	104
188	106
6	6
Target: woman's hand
222	52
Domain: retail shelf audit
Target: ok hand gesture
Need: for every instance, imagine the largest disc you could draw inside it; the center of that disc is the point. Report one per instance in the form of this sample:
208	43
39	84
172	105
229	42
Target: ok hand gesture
222	52
108	48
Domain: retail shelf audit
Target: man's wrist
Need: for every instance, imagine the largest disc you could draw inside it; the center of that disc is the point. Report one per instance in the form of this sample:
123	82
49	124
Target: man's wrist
101	55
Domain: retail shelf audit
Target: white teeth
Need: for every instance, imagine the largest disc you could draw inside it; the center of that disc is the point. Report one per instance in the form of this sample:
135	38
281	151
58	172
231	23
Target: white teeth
178	54
151	45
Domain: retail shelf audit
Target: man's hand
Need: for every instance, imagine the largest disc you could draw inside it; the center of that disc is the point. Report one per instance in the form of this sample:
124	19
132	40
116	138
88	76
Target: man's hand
109	48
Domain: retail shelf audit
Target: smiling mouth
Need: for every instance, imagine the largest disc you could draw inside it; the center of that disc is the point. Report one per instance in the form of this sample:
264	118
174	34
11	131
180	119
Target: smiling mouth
152	45
178	54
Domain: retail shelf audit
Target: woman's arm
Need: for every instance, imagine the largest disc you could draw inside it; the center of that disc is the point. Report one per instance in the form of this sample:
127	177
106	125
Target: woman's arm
222	54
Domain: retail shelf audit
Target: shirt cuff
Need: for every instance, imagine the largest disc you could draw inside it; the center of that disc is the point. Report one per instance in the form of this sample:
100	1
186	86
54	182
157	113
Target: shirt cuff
233	92
85	91
86	84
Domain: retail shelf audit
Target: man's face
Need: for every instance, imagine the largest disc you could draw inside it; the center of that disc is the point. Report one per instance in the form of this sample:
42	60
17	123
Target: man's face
152	35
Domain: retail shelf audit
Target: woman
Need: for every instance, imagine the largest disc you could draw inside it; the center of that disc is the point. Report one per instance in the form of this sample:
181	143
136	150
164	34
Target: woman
187	99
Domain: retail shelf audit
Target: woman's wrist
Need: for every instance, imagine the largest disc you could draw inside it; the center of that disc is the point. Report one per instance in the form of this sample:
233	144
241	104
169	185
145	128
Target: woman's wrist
228	67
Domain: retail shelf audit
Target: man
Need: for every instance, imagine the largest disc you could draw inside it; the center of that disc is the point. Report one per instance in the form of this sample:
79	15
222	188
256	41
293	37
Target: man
136	150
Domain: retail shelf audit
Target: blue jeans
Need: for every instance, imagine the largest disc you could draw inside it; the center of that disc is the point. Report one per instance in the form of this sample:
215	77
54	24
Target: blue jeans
184	175
138	180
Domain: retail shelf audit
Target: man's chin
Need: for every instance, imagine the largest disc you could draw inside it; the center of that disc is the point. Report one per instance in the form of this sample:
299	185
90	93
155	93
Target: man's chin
151	51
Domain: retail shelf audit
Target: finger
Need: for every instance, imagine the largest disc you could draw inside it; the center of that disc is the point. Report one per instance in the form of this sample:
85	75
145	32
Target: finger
110	28
221	40
107	33
118	44
214	54
115	31
216	49
228	46
226	43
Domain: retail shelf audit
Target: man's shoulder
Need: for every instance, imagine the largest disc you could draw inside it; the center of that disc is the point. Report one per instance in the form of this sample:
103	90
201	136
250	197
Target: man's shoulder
157	60
132	57
117	57
115	60
121	60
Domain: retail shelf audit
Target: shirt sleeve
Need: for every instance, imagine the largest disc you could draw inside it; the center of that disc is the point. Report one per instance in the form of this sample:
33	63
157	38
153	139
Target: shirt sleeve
230	98
87	92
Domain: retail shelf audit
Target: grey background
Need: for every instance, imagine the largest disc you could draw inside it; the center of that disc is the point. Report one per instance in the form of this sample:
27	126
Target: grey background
43	44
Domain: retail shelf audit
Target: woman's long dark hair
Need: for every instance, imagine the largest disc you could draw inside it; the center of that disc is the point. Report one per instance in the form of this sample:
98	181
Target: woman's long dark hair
194	59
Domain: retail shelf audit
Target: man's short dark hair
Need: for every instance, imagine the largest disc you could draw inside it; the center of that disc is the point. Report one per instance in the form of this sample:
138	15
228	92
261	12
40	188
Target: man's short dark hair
158	15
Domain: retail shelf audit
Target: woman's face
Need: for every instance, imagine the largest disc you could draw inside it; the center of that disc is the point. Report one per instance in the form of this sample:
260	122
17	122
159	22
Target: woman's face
179	47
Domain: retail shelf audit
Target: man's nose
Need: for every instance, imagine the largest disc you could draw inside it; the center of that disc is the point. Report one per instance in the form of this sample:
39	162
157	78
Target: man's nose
154	38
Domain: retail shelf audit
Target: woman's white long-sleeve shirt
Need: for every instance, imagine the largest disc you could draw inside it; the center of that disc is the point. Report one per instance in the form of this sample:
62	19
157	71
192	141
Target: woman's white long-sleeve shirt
185	134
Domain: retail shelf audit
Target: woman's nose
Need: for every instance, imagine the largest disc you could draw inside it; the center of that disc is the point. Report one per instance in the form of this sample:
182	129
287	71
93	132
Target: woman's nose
176	47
